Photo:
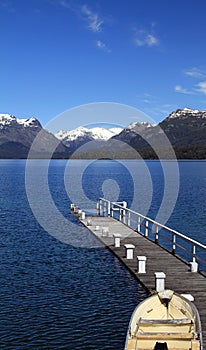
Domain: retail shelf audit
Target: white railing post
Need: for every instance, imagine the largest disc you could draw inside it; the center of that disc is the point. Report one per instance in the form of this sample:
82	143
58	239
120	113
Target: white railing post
124	204
156	234
174	244
146	228
194	253
129	218
112	211
194	264
98	208
109	208
139	224
120	215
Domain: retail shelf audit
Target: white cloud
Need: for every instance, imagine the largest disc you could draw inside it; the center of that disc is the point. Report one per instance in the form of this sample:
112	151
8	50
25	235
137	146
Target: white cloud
143	38
180	89
195	73
93	19
102	46
201	87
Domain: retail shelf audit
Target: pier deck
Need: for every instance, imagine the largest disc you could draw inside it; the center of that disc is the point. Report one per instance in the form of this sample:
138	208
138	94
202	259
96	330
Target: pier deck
178	275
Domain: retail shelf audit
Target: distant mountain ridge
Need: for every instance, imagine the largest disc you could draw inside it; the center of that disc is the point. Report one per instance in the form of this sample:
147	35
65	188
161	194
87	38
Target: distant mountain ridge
184	128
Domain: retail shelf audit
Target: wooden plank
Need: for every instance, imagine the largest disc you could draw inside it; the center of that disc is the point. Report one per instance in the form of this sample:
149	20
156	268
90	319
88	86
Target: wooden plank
174	322
164	336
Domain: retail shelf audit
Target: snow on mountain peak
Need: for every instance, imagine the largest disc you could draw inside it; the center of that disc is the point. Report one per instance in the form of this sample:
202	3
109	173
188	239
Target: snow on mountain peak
186	113
27	122
7	119
96	133
135	125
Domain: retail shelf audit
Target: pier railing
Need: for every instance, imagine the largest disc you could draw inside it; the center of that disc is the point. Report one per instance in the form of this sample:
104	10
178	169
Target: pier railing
177	243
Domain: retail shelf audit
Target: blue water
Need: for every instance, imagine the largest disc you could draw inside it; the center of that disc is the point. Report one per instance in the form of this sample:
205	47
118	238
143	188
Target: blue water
61	296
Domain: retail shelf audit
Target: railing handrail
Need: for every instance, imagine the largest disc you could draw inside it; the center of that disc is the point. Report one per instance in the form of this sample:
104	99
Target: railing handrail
196	243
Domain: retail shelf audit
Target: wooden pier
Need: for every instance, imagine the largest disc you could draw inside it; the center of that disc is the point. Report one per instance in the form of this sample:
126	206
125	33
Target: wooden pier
178	273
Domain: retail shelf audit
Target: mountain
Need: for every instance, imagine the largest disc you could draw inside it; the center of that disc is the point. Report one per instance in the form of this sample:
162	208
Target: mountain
17	136
78	137
185	127
182	132
185	130
132	130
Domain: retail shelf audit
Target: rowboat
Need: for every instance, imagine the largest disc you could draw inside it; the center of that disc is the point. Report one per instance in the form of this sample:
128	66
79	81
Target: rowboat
165	320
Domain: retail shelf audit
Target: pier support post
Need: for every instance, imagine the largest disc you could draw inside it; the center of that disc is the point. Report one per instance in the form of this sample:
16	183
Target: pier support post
160	281
117	239
129	251
141	264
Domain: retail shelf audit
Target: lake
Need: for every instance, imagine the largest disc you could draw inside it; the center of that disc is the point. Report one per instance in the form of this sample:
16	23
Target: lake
61	289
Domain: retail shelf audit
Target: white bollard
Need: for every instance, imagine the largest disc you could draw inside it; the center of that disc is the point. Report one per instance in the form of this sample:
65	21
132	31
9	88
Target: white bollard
79	212
129	251
141	263
160	281
72	206
76	209
97	228
105	231
193	266
117	239
89	222
82	215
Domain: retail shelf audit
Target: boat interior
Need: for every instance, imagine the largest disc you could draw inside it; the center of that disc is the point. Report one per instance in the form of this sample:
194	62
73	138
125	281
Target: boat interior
166	323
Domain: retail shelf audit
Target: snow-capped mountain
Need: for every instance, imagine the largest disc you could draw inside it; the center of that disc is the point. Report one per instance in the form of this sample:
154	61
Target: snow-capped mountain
81	135
17	136
96	133
138	126
9	120
186	113
132	130
186	127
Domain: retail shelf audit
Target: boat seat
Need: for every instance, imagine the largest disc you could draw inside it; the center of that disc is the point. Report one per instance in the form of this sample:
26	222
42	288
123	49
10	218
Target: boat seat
179	322
164	336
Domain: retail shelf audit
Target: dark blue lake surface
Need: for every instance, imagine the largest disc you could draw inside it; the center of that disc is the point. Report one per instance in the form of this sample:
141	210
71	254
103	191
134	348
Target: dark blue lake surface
69	296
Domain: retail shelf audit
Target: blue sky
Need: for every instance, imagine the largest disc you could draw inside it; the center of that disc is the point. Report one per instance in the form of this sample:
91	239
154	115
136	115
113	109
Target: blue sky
59	54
